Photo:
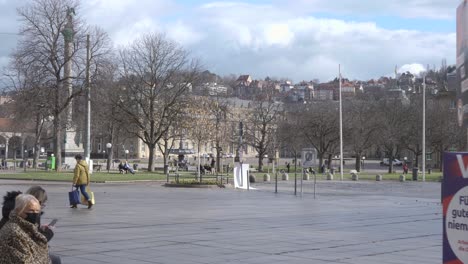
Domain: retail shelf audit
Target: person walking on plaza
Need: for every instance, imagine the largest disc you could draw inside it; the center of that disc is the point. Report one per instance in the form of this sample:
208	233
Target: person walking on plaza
405	168
21	241
288	166
81	179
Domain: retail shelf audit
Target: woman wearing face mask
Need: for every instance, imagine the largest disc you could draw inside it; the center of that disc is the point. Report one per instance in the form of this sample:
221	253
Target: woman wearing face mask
41	196
20	239
46	230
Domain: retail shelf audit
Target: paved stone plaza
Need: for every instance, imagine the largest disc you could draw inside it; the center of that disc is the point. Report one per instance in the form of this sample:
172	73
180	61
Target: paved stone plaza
349	223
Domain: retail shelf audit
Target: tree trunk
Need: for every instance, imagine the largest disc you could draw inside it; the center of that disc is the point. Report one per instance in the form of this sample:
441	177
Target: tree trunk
151	157
260	163
390	164
37	139
320	156
165	158
441	161
199	162
37	150
218	158
358	163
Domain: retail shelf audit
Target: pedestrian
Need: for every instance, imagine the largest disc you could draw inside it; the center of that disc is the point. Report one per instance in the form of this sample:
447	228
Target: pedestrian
21	240
322	168
81	179
288	166
40	194
8	206
405	168
213	162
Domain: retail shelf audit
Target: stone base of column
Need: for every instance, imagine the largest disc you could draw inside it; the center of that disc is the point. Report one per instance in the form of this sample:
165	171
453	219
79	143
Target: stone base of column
72	147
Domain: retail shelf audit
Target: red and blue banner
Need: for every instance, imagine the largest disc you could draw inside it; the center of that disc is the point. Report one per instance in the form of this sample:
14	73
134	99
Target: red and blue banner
455	208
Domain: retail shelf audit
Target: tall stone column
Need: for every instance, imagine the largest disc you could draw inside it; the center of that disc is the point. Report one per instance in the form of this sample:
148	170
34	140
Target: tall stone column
73	144
6	147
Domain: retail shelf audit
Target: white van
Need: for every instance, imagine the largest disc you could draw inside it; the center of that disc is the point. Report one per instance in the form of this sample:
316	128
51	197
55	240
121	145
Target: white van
395	162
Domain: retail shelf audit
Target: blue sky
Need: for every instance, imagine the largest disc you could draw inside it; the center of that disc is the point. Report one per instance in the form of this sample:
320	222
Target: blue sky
394	22
299	40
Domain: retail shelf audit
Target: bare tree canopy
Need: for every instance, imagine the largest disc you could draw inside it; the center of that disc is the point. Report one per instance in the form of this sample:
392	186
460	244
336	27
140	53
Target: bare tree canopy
156	75
261	126
42	53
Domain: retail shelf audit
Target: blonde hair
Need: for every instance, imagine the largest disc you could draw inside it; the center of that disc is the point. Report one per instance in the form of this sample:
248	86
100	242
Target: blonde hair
21	203
38	192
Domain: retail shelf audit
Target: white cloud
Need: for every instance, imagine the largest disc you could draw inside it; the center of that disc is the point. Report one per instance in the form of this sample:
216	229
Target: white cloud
278	34
280	38
277	43
414	68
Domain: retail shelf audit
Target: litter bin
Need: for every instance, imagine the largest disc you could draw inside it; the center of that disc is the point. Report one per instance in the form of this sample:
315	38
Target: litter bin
51	163
135	166
415	174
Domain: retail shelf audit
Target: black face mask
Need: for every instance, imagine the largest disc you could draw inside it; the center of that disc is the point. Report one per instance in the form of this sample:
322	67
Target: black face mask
33	218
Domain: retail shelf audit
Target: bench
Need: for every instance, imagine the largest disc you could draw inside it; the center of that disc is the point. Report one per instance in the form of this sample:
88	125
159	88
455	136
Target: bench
178	176
97	167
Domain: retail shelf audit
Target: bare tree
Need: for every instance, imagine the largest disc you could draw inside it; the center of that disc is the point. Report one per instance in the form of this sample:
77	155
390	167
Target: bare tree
411	131
320	127
289	134
219	109
157	74
105	121
443	132
360	126
260	125
201	124
391	115
166	143
41	45
29	100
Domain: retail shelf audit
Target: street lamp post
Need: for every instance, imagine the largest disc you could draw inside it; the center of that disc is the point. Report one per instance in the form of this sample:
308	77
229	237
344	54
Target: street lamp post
108	146
126	154
363	159
25	159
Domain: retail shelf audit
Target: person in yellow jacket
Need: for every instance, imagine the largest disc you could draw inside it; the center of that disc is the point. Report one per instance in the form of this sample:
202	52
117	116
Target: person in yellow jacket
81	179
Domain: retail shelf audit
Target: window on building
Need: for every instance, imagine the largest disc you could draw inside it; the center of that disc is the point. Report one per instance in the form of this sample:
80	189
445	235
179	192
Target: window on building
428	156
453	104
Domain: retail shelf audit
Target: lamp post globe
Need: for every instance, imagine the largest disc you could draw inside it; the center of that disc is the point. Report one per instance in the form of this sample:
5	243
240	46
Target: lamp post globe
126	154
108	146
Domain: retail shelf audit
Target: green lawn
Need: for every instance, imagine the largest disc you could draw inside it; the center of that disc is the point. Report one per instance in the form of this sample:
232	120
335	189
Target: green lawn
95	177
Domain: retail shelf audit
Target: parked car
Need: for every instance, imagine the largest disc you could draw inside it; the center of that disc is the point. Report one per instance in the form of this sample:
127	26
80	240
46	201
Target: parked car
395	162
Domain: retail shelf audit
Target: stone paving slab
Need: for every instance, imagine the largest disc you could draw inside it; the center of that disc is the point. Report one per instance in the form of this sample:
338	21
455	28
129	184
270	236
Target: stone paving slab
348	223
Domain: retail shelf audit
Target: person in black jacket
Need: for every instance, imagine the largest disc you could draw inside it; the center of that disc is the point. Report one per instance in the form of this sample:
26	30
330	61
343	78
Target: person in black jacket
8	206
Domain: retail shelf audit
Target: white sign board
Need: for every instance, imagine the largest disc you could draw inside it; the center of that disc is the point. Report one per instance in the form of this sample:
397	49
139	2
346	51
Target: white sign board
241	177
309	156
